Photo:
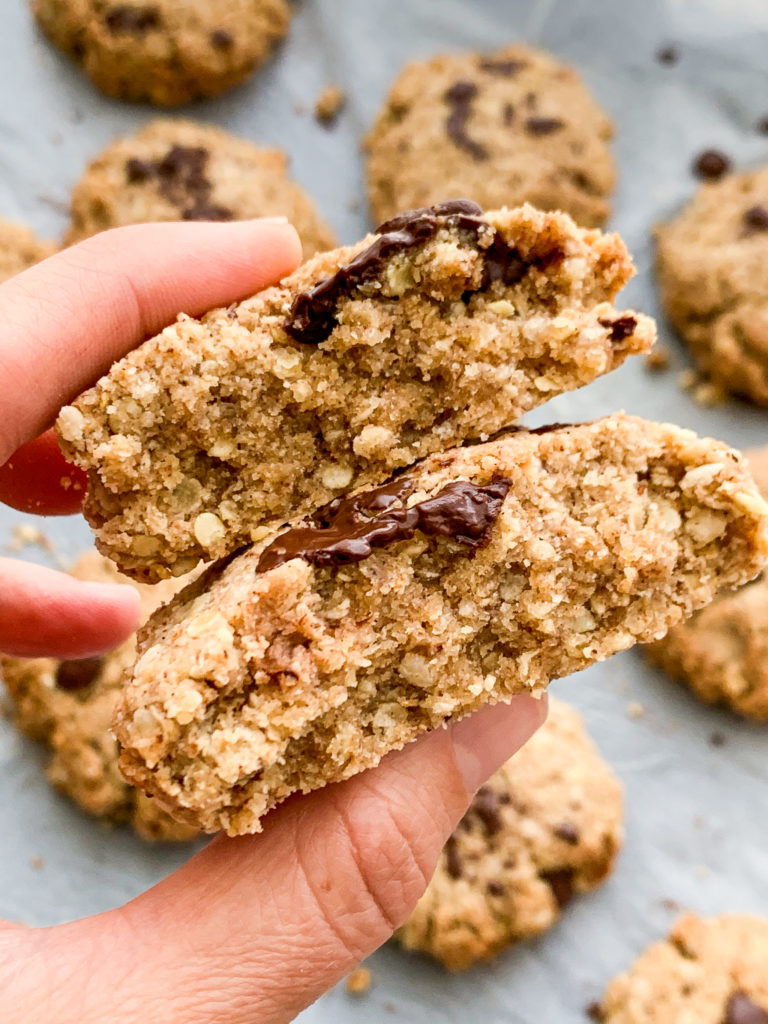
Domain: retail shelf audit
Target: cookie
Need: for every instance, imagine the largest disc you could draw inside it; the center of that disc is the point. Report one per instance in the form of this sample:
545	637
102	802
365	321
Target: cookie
164	51
19	249
721	652
480	573
712	268
708	971
546	826
181	170
68	705
505	128
449	324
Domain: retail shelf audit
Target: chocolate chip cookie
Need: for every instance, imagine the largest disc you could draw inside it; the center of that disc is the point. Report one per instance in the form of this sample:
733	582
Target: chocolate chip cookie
182	170
545	827
19	249
68	705
709	971
482	572
447	324
505	128
712	267
164	51
721	652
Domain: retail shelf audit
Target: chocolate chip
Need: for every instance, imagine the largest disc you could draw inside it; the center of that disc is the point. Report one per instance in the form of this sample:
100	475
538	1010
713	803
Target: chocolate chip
568	833
207	211
620	328
503	263
503	68
741	1010
459	97
137	171
543	125
561	884
221	39
349	529
78	674
496	888
180	176
486	807
453	864
509	114
136	20
668	55
711	165
756	218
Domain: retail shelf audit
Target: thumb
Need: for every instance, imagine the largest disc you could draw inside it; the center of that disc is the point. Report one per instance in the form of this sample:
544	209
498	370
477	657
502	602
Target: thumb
254	929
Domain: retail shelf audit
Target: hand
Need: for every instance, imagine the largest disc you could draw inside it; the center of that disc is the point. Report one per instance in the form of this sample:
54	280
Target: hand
251	930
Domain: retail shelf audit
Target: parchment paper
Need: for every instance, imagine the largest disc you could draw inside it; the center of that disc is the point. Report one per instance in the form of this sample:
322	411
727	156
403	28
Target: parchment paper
696	828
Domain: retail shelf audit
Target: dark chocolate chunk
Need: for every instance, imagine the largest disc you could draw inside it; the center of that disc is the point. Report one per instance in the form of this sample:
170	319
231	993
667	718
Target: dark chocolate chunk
78	674
503	263
621	328
496	888
509	114
453	863
543	125
137	171
486	807
348	529
181	179
756	218
741	1010
595	1012
459	97
561	884
207	211
503	68
668	55
711	165
568	833
136	20
221	39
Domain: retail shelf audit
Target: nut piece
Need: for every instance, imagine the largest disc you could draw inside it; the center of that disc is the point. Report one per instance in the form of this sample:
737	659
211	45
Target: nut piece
208	529
336	478
70	423
359	981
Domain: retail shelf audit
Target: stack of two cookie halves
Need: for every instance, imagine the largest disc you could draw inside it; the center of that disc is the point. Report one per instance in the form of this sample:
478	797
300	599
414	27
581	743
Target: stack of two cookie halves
390	551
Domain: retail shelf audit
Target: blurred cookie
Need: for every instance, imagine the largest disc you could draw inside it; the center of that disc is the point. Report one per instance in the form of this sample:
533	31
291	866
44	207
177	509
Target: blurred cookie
548	825
516	126
19	249
712	267
721	652
709	971
164	51
181	170
68	705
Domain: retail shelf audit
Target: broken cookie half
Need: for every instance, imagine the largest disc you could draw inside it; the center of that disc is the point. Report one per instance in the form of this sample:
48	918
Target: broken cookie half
481	572
447	324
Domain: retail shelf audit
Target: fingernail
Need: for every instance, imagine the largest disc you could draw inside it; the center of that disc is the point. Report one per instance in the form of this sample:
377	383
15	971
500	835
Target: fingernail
483	742
271	220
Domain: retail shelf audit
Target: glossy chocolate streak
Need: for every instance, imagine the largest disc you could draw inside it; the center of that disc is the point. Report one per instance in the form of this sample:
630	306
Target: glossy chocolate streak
313	313
349	529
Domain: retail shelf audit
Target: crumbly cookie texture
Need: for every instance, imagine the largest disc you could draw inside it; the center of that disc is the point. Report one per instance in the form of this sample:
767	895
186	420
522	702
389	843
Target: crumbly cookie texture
447	325
505	128
182	170
478	574
721	652
708	971
545	827
69	705
166	52
712	267
19	249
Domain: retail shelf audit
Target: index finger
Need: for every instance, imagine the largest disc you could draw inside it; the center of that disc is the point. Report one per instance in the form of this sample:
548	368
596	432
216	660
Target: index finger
66	320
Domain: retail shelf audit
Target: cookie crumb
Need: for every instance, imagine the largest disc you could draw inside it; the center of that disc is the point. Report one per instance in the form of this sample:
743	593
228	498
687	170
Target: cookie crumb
594	1011
762	125
25	535
668	54
635	710
702	872
658	358
36	863
672	906
718	739
711	165
329	104
359	981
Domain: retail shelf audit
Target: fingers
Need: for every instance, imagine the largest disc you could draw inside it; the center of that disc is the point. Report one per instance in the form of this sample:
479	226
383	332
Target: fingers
47	613
254	929
37	478
66	320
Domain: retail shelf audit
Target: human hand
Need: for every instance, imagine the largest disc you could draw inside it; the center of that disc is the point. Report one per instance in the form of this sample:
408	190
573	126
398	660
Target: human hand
251	929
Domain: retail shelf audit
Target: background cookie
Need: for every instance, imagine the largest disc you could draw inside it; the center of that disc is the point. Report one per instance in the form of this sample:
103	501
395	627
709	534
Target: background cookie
546	826
707	971
164	51
504	129
19	249
68	705
712	267
181	170
722	651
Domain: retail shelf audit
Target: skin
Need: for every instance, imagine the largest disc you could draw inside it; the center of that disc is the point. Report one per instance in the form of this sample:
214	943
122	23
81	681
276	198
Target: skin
251	929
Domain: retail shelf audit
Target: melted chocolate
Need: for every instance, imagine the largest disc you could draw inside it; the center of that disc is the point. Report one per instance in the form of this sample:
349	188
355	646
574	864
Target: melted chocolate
486	807
567	832
78	674
495	888
756	218
221	39
453	863
621	328
561	884
181	179
459	98
741	1010
135	20
543	125
348	529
